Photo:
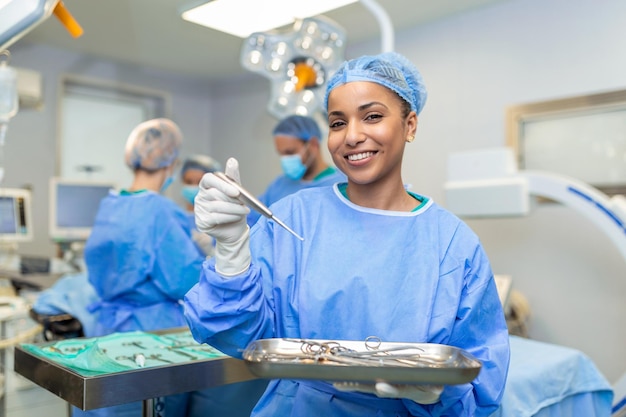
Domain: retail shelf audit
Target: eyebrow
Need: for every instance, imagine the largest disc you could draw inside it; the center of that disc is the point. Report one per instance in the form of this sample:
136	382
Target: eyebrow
360	108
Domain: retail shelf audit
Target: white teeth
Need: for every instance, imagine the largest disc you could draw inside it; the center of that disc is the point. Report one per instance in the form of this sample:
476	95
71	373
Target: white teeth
359	156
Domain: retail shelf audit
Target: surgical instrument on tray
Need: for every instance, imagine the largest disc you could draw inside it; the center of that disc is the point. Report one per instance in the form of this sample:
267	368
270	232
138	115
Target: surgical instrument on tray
249	199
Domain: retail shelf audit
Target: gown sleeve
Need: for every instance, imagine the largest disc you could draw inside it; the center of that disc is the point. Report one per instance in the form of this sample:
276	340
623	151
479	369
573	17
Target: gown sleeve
229	313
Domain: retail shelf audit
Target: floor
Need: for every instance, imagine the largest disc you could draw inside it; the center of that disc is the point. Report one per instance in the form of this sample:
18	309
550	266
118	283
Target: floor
33	401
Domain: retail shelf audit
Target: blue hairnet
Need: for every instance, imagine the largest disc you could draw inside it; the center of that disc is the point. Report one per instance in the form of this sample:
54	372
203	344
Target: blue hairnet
202	163
300	127
389	69
153	145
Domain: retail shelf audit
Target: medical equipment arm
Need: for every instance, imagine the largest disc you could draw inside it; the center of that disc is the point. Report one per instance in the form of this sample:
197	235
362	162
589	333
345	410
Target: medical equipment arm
221	214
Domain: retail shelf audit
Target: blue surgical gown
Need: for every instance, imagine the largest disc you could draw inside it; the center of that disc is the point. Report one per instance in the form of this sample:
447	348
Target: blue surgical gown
283	186
420	277
141	261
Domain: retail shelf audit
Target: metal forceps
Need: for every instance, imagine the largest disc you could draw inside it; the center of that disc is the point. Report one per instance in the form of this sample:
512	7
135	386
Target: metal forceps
254	203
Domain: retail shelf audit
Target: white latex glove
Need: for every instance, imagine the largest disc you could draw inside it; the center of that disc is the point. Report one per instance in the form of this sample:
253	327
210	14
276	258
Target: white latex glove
221	214
204	242
422	394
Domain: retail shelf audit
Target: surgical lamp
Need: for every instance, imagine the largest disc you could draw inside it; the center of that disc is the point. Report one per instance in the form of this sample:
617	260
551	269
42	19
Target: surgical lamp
19	17
299	62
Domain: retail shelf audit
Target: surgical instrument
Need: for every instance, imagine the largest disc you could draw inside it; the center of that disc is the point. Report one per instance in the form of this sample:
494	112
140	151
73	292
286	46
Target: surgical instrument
249	199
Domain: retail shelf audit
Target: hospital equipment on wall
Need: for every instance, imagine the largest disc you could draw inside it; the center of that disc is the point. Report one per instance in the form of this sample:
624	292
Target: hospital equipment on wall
299	62
486	183
249	199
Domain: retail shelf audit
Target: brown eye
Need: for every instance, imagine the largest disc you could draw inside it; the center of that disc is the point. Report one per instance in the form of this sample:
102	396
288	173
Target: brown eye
373	117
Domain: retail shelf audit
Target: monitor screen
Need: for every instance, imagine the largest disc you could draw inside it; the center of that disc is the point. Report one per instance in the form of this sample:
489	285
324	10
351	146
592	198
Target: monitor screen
73	207
15	215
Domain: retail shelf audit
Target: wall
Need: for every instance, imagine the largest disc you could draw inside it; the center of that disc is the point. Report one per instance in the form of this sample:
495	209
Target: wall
31	138
475	66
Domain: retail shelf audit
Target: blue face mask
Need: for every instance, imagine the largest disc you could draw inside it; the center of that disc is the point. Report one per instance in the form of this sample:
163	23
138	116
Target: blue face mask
293	167
168	181
190	192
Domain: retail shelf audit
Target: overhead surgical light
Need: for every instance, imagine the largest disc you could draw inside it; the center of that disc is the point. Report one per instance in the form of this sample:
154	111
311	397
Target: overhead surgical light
298	63
244	17
20	17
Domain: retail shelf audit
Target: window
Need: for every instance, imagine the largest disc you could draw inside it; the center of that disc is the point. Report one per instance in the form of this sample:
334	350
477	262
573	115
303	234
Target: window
96	118
582	137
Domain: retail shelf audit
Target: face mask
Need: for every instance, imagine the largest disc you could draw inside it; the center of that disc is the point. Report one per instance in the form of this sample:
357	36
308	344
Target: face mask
190	192
292	166
168	181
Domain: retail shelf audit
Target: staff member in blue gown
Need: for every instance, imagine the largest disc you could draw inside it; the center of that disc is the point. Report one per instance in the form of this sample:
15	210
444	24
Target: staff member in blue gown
377	260
191	173
140	257
297	140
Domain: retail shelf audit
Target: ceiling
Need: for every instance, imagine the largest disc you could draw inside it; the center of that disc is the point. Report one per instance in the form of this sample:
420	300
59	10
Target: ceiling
151	32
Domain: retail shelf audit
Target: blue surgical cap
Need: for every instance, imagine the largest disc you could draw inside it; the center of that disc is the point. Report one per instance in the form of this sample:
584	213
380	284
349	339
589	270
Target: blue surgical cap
389	69
300	127
202	163
153	145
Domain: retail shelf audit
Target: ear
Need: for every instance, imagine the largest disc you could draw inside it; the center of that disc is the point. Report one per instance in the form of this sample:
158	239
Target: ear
411	123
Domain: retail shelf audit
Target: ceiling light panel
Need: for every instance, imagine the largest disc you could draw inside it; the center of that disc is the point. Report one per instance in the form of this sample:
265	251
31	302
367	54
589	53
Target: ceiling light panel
244	17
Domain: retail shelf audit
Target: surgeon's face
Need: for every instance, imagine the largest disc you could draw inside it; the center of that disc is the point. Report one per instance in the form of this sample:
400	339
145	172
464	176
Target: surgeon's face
367	132
192	176
289	145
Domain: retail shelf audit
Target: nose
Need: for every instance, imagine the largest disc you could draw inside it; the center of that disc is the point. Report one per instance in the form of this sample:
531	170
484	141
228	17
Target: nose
354	135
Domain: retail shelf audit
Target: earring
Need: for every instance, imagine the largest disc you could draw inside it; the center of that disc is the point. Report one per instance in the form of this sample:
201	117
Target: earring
410	139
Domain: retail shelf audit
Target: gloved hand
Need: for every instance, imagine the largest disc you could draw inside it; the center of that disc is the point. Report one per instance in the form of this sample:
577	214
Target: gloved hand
204	242
221	214
422	394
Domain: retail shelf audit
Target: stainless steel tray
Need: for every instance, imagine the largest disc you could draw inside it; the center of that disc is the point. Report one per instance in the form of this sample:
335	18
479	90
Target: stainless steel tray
361	361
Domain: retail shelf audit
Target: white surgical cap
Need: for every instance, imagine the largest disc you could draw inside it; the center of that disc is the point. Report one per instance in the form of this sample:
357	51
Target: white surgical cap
153	145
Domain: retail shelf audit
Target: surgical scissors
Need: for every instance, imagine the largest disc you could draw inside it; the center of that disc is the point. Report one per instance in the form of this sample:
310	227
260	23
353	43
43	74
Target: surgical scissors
254	203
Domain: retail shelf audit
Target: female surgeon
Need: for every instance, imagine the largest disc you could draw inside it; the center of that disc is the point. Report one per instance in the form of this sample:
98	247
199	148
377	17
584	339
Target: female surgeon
140	257
376	260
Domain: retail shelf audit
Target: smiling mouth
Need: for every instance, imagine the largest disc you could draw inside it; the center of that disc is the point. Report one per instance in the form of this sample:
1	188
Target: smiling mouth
360	156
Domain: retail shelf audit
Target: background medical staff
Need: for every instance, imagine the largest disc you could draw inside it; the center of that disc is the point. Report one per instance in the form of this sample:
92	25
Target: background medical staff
376	260
298	142
194	167
140	256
